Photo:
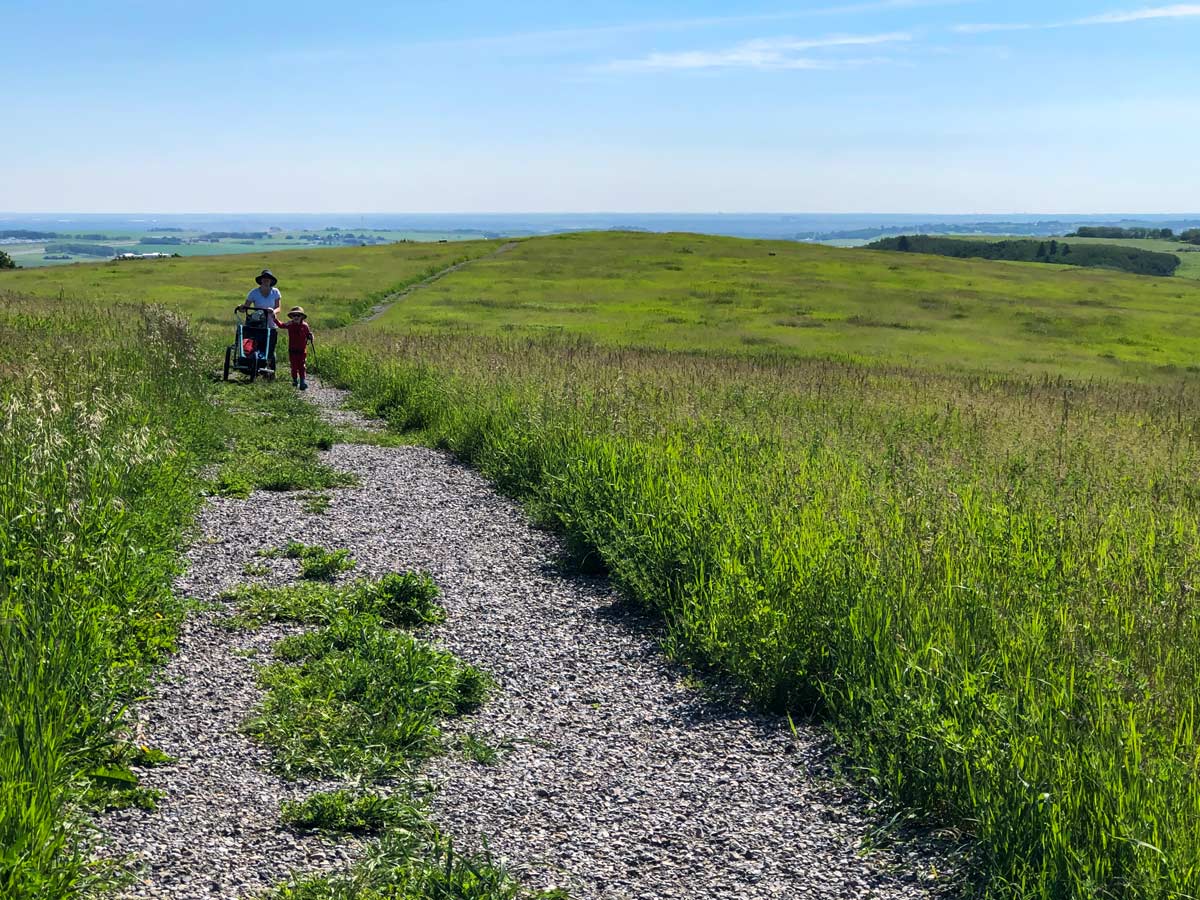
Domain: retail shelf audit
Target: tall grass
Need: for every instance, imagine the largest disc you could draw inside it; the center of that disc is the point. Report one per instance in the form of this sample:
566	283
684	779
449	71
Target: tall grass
102	423
987	586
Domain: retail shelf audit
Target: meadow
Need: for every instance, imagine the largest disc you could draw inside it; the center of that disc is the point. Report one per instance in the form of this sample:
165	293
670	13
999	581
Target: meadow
947	506
695	293
338	284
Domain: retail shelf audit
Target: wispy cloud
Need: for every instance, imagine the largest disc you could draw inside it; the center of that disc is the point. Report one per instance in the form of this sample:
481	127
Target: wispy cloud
762	53
1173	11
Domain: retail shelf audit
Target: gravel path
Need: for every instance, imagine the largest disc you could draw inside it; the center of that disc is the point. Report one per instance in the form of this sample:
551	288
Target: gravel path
617	779
216	833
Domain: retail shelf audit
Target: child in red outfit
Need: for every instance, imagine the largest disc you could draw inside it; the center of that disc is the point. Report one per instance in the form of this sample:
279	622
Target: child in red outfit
299	337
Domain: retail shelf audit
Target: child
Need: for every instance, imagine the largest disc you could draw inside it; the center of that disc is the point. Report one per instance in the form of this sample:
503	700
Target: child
299	337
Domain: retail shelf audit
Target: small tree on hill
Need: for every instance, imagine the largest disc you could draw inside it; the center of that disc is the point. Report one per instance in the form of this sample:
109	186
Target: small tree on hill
1053	248
1041	253
6	261
902	244
1066	248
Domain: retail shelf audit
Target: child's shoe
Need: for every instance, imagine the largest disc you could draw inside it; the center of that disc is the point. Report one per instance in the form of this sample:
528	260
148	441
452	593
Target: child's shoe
303	385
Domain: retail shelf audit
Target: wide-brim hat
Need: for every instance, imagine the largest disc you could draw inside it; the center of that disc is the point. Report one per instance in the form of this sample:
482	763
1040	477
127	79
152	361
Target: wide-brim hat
266	273
297	311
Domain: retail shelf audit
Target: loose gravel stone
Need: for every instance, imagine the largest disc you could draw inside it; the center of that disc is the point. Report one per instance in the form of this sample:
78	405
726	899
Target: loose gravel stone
617	778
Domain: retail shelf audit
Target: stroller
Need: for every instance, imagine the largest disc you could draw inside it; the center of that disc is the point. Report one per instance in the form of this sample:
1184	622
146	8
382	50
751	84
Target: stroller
253	349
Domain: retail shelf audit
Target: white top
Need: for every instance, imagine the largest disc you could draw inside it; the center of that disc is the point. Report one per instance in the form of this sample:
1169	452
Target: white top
256	299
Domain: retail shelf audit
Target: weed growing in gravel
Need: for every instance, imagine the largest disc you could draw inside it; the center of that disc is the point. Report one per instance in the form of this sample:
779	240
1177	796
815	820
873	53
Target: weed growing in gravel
350	811
380	437
407	599
274	442
112	783
317	563
414	864
401	600
315	504
357	699
255	570
480	749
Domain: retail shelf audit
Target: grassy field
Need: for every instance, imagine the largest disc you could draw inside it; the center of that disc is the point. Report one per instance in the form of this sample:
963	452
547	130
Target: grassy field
955	542
691	292
334	285
949	506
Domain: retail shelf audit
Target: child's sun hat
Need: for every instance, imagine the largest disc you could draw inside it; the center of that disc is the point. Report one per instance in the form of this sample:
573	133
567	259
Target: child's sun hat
297	311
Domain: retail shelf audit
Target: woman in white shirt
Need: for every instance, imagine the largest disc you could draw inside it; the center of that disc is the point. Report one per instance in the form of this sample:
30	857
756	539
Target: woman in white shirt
265	296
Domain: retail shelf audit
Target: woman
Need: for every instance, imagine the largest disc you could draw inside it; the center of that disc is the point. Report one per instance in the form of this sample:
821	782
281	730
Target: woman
265	296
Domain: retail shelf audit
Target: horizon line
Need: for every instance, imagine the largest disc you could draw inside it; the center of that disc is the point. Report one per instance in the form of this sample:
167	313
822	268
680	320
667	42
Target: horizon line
600	212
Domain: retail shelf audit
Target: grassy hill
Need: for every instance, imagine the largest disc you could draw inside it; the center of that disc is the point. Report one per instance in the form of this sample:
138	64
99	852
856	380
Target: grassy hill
692	292
337	283
950	506
699	293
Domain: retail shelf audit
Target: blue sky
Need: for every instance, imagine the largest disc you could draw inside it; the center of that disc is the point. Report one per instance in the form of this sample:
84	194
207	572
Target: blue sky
902	106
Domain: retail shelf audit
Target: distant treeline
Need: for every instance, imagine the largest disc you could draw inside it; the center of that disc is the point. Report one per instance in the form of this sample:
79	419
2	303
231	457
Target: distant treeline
1105	256
1136	234
21	234
160	240
81	249
251	235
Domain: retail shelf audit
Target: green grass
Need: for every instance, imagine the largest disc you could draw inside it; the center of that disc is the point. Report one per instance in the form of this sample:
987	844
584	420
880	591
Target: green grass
354	699
947	505
398	600
414	863
480	749
274	438
106	426
317	563
984	583
690	293
316	504
333	285
351	812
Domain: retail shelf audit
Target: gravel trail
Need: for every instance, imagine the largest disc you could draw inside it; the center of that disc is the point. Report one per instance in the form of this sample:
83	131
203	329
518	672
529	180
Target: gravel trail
616	779
216	832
